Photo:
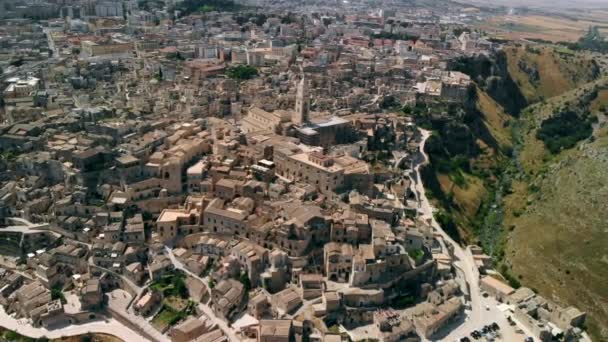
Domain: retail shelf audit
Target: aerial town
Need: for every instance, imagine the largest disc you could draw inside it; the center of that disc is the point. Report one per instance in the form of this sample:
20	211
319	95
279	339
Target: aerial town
180	173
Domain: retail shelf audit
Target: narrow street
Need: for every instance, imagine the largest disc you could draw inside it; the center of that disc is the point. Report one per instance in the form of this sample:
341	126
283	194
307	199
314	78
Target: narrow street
483	311
464	259
204	307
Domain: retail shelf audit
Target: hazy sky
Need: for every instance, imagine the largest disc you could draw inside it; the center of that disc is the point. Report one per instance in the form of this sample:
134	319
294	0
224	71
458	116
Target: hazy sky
544	3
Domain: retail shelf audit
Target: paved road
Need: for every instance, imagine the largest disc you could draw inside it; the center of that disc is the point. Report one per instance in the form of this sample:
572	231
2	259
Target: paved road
464	259
118	304
204	307
109	326
479	314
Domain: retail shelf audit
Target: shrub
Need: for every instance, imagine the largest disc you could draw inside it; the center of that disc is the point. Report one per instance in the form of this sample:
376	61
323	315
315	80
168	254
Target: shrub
563	131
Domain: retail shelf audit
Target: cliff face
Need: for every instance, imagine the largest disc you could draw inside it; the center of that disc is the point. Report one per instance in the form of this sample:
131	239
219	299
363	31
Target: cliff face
495	176
492	75
474	141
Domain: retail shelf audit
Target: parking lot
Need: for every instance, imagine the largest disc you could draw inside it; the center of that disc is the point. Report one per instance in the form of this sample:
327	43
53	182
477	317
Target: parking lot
504	330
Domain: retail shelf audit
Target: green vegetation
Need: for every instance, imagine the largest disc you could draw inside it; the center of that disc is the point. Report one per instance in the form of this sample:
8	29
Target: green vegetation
289	18
416	254
592	41
244	279
242	72
257	18
471	145
206	9
172	285
13	336
446	221
403	302
563	131
334	329
506	177
86	338
7	156
159	74
187	7
513	282
389	102
540	193
554	202
491	73
57	293
168	316
149	5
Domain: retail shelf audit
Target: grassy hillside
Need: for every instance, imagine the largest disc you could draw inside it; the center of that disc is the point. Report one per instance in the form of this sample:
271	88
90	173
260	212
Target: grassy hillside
544	72
557	212
504	85
540	212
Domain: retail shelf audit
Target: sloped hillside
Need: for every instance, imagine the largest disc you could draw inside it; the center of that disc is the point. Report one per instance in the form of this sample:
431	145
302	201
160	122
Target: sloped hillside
469	151
544	72
557	210
470	140
527	177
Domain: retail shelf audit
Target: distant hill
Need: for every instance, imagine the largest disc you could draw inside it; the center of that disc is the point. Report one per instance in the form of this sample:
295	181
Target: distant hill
539	4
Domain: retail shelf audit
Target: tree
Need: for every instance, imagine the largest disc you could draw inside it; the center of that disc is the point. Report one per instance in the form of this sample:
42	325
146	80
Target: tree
56	293
159	74
389	102
260	19
563	131
86	338
242	72
244	279
179	287
241	19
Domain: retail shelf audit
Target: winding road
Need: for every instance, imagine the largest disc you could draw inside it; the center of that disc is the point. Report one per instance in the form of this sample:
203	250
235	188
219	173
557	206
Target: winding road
464	259
483	311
